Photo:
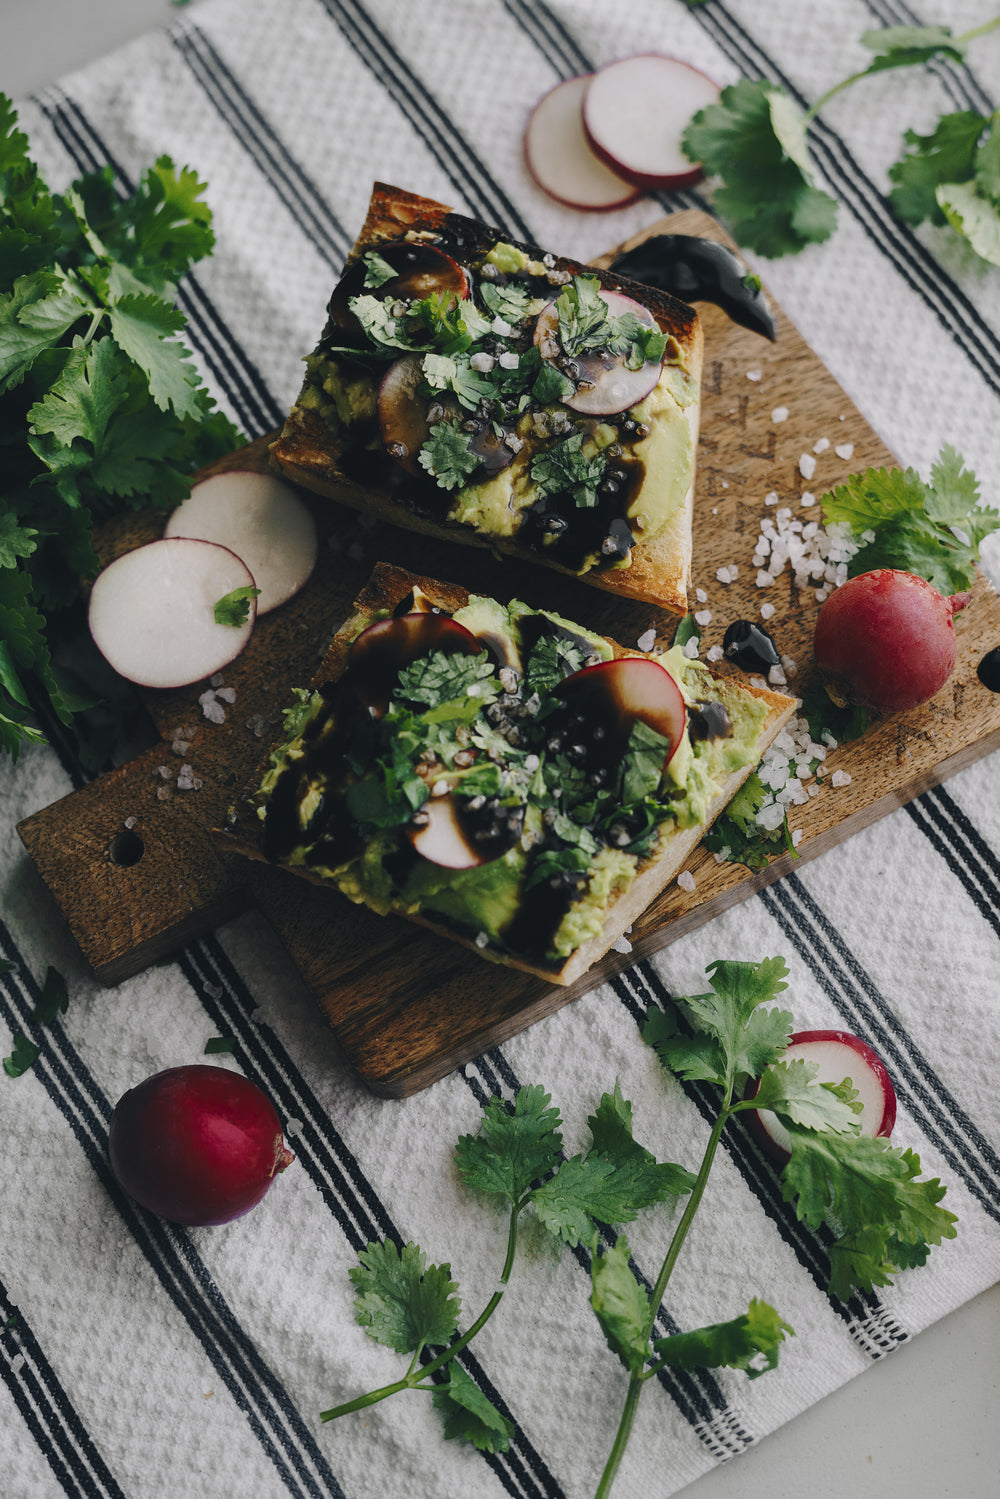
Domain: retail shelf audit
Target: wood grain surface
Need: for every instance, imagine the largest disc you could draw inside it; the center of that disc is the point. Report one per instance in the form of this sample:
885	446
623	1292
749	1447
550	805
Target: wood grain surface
406	1006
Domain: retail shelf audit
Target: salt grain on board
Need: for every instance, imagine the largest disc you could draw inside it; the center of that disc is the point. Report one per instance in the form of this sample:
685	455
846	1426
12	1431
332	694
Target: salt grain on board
779	414
821	445
686	880
754	375
844	450
807	465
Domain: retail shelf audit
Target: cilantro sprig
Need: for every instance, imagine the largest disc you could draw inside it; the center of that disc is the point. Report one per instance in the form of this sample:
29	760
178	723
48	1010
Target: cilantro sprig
516	1156
754	139
878	1214
101	408
933	529
52	1002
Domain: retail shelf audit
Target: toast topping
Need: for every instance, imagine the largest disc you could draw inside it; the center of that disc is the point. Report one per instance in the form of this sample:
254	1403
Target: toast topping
497	392
510	792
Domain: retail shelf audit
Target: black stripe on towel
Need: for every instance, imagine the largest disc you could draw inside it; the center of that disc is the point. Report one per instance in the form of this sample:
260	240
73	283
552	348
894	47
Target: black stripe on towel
262	143
47	1411
330	1164
270	1413
455	156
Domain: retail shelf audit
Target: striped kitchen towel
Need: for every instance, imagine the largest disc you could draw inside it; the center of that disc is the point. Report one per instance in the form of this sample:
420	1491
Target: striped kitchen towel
138	1359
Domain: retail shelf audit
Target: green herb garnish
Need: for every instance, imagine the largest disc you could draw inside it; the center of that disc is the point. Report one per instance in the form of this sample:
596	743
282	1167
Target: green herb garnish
101	410
234	608
754	140
933	529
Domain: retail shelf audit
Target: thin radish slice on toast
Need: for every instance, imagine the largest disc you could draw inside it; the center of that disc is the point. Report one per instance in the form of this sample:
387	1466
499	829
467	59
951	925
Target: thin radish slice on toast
152	611
259	518
604	383
634	113
837	1055
559	157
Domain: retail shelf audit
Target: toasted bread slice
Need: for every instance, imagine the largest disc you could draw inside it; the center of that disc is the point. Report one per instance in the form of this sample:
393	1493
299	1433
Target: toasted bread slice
335	442
318	806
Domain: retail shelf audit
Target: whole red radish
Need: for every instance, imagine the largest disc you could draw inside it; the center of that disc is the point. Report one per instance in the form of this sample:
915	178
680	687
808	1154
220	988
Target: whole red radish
198	1145
885	640
836	1055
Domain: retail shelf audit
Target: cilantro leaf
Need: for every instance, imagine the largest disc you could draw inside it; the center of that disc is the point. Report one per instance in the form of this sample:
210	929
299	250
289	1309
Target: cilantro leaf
645	758
513	1148
734	1036
53	1000
914	523
16	541
870	1192
583	316
753	139
468	1414
946	155
144	328
749	1342
443	678
377	270
620	1305
402	1301
23	1056
217	1044
454	373
976	218
447	456
564	467
904	46
234	608
790	1090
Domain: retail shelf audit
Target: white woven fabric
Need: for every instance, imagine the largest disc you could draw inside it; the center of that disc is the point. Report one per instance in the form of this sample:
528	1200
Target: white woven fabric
148	1361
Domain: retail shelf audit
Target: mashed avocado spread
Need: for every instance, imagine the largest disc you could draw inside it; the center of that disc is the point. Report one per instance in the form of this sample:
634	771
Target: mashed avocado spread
497	787
506	396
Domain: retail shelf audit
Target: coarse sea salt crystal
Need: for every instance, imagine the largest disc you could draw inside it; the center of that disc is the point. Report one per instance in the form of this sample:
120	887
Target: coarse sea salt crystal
509	360
714	653
807	465
764	579
807	498
767	609
821	445
840	778
703	616
691	648
647	640
779	414
701	595
754	375
686	880
771	498
844	450
622	944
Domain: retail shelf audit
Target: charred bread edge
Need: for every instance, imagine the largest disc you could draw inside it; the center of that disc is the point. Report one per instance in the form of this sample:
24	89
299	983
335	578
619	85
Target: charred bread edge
660	569
386	587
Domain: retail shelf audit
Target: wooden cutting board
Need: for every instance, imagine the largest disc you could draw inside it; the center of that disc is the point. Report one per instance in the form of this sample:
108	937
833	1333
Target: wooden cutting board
131	859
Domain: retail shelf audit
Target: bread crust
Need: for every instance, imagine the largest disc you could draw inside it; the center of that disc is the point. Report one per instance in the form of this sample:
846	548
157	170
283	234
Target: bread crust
387	587
306	452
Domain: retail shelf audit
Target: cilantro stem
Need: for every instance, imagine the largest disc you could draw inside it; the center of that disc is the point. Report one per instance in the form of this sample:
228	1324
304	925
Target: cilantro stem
413	1380
636	1380
982	30
967	36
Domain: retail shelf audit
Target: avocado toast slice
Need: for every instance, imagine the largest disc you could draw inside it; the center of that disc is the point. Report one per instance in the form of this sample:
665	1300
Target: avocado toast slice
499	774
485	391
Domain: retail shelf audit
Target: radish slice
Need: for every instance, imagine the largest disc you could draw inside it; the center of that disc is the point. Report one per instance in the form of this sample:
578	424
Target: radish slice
559	158
152	611
616	695
837	1055
259	518
634	114
605	384
457	834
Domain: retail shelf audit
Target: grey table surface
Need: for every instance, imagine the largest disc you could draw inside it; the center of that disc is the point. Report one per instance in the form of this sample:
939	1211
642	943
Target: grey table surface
924	1422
